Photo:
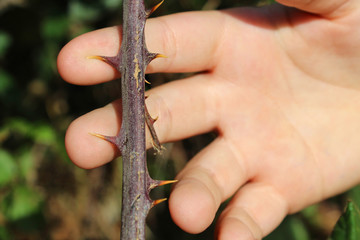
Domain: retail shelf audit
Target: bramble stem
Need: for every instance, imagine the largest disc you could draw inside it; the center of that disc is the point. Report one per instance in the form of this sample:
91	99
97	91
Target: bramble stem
131	61
135	200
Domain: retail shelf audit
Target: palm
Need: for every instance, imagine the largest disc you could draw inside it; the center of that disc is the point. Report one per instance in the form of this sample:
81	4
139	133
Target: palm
275	107
280	91
279	117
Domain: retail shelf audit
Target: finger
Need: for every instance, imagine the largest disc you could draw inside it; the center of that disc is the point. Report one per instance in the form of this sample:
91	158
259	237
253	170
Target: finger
73	61
184	108
178	117
327	8
88	151
253	213
210	178
176	36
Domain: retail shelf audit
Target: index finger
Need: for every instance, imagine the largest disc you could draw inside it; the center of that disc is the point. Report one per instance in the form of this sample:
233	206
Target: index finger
189	40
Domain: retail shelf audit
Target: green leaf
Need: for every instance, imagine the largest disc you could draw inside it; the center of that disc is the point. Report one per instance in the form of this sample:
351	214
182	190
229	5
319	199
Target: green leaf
26	163
354	195
21	203
39	132
55	27
7	168
20	126
44	134
348	226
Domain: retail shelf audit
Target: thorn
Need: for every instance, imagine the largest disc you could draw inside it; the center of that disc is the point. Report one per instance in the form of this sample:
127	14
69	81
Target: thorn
97	57
156	202
150	123
106	138
114	61
98	136
153	120
151	56
150	120
165	182
157	183
147	83
159	148
154	139
158	55
153	9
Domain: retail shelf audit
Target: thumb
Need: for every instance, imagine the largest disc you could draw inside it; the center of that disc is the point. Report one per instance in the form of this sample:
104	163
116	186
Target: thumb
326	8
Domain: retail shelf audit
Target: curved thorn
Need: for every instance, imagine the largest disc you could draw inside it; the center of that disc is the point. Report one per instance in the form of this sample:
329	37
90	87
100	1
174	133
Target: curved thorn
150	123
153	9
165	182
103	137
114	61
157	183
159	148
147	83
97	57
106	138
151	56
160	56
152	184
156	202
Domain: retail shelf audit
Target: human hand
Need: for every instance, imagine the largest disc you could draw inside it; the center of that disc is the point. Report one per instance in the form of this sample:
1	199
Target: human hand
278	84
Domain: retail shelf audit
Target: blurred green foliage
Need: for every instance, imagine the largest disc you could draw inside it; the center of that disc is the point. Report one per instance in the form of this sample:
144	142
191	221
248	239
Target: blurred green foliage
42	194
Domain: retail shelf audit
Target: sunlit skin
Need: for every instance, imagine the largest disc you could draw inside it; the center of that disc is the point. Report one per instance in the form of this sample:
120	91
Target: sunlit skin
279	85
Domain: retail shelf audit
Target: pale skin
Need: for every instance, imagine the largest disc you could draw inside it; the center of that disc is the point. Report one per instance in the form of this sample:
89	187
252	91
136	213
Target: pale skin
280	86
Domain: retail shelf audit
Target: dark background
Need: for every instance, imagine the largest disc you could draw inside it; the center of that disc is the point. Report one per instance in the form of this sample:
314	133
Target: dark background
42	194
